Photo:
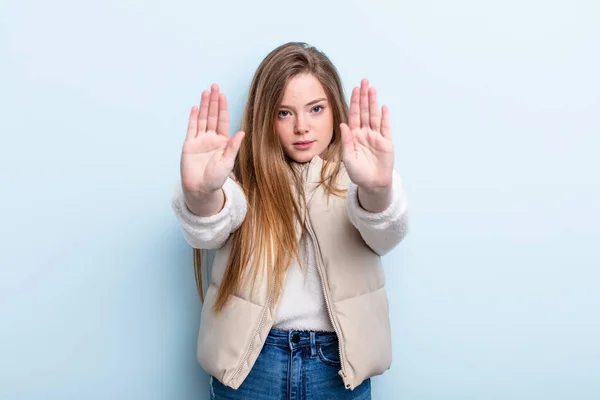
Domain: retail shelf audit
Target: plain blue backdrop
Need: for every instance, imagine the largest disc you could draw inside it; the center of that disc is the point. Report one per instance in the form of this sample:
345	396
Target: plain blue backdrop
495	106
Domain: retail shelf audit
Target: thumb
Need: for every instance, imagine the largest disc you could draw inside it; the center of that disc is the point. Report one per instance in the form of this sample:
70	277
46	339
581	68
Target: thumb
347	141
233	145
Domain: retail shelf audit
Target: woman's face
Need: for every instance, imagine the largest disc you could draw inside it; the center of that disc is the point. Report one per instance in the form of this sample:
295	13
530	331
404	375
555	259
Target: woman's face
304	120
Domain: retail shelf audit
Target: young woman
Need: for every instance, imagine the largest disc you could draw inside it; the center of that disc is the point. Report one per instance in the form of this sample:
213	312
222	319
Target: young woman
301	204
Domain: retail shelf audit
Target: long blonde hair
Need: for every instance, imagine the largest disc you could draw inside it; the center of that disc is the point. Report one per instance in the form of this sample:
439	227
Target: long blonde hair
267	237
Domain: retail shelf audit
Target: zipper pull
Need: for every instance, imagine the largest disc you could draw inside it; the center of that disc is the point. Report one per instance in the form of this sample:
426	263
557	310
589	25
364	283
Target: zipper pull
343	375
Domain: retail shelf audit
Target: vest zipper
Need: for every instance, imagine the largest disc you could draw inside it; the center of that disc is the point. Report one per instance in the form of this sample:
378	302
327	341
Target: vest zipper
341	372
334	322
318	257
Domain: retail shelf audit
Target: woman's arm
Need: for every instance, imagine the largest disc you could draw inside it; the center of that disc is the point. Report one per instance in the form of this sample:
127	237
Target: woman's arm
207	202
211	232
382	231
376	200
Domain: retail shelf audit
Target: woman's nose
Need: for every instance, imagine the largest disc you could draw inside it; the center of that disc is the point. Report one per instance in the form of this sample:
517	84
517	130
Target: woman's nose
301	126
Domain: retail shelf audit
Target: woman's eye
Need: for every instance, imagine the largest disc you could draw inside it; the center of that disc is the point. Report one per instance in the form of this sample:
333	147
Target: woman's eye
317	108
284	113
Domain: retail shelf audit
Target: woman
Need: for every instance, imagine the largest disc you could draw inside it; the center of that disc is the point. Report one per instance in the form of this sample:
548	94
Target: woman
301	204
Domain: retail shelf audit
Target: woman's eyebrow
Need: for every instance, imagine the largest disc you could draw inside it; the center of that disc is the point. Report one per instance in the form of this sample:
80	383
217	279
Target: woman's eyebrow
307	104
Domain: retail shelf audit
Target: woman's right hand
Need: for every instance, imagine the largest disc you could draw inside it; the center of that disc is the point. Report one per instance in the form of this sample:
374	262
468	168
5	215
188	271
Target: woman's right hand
208	153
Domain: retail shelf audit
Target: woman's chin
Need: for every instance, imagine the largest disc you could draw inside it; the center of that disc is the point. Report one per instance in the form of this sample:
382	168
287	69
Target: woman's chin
301	157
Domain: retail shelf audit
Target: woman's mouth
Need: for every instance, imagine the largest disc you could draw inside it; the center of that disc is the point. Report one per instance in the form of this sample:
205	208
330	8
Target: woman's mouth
304	144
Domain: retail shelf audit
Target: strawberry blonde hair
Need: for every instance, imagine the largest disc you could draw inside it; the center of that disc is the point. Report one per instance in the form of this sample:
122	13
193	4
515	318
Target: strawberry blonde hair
267	238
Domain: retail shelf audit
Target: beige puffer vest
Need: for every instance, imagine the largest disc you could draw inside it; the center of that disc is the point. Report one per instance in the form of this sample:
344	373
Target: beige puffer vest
353	283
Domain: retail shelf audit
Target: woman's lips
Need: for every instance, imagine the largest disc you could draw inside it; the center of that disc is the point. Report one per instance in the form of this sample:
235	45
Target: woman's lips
304	145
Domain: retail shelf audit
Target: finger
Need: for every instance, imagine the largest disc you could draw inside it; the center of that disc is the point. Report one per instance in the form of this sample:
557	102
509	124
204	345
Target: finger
223	123
203	113
386	130
192	124
364	103
354	117
213	109
347	141
374	115
232	148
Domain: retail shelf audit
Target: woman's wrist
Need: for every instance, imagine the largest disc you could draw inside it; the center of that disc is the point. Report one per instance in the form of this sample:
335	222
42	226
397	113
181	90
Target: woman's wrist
375	199
205	205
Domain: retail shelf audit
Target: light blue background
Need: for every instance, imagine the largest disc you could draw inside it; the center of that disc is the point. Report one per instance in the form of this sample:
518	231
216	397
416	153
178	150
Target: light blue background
495	106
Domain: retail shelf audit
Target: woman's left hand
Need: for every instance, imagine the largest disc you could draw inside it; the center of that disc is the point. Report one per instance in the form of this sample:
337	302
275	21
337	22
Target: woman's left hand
367	148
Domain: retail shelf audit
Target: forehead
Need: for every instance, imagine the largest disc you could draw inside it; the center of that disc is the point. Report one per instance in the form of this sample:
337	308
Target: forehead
302	89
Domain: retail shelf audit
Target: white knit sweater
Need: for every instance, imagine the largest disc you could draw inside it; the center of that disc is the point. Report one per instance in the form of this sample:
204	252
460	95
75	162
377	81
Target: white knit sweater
302	304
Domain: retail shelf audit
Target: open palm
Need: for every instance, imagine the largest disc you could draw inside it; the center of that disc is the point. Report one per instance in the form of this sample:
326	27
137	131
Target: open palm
208	153
367	148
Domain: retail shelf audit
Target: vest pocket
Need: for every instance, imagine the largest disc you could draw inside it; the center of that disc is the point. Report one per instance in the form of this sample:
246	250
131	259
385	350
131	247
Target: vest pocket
329	354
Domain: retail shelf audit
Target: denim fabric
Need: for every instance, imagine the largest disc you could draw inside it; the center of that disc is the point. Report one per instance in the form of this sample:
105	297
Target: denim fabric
294	365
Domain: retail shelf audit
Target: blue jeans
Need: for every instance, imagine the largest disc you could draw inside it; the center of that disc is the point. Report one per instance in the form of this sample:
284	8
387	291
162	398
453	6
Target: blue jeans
294	366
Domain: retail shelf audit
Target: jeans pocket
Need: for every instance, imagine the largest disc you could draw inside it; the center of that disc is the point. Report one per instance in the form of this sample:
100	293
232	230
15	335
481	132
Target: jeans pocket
329	354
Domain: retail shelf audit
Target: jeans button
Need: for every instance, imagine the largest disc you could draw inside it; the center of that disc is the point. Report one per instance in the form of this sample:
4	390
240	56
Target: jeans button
295	338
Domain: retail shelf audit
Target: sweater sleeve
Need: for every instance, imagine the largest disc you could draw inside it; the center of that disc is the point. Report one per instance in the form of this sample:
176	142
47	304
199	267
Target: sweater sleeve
384	230
213	231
